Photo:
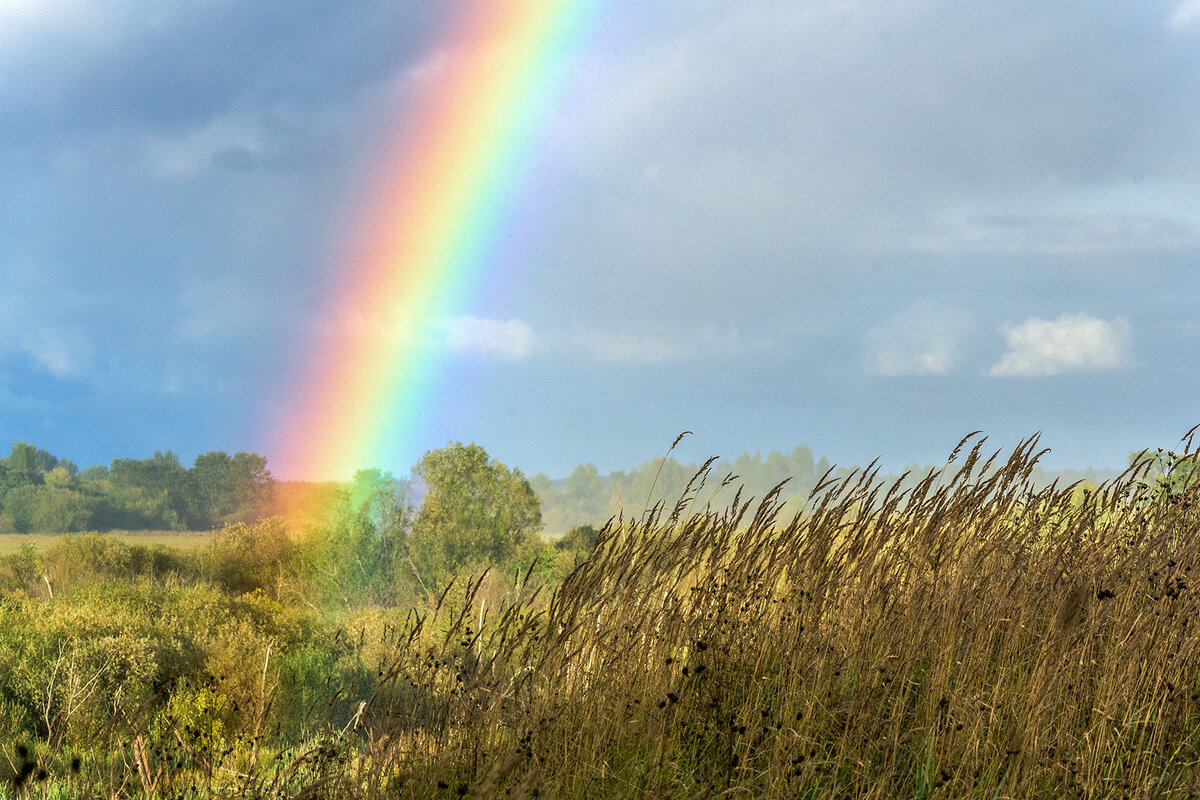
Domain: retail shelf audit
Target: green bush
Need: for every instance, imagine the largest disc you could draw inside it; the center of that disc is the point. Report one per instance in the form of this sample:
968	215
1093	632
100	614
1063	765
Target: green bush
72	665
244	557
84	559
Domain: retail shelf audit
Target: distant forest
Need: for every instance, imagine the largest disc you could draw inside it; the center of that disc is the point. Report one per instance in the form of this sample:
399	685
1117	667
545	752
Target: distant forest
40	492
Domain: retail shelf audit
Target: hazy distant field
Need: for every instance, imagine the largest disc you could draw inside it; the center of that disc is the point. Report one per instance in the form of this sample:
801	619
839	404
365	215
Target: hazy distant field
185	540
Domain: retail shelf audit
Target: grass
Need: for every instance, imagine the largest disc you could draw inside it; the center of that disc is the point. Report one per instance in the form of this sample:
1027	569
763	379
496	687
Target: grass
11	543
968	637
963	635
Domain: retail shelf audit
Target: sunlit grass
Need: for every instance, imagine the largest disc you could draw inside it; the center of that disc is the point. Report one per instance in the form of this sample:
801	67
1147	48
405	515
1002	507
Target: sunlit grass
11	543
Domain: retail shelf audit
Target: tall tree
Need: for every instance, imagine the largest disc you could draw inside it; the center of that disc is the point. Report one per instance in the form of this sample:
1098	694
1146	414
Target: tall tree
19	469
23	459
475	511
586	490
253	485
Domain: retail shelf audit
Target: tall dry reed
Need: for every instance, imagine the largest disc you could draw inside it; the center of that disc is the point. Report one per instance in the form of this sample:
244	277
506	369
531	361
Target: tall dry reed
969	636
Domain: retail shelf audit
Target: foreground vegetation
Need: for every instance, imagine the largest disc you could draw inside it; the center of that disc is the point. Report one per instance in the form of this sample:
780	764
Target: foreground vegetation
963	635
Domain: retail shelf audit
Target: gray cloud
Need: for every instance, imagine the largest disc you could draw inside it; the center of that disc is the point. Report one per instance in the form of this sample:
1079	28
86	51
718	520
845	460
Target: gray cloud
72	67
861	125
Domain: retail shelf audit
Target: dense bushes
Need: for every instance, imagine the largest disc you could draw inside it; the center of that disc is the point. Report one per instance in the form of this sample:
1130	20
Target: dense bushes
243	558
93	558
178	667
188	665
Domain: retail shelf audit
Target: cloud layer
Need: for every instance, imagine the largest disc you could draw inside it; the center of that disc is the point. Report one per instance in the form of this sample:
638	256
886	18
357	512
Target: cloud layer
733	215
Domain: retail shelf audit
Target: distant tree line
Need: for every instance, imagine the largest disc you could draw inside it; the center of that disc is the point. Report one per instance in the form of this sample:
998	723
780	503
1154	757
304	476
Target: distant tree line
42	493
586	498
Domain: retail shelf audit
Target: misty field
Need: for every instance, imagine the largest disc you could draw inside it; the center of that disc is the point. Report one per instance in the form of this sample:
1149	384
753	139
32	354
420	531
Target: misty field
960	634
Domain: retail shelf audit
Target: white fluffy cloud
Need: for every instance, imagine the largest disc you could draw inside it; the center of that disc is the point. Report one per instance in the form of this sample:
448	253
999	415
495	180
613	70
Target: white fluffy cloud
509	339
921	340
1072	342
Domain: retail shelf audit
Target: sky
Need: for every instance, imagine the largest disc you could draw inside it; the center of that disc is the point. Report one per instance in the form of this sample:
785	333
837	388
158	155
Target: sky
869	227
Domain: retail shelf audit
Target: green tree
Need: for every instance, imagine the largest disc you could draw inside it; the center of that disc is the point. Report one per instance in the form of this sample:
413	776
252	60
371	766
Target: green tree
133	508
586	490
212	483
17	471
62	478
49	509
802	467
23	458
20	468
580	537
161	475
362	554
230	489
98	472
476	511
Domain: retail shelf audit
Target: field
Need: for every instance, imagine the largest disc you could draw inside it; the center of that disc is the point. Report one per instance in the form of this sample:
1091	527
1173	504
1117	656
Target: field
969	636
11	543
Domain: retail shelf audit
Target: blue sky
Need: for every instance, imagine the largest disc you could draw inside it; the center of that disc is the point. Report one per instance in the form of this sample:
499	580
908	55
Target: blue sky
871	227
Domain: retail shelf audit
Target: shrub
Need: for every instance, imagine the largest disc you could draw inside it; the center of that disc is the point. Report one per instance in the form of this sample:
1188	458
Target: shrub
80	560
244	557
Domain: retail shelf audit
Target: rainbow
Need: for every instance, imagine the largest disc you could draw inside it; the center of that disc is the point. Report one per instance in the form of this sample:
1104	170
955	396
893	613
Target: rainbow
451	184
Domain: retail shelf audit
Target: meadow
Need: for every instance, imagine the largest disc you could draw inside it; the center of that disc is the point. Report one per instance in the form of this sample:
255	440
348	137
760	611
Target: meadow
11	543
963	634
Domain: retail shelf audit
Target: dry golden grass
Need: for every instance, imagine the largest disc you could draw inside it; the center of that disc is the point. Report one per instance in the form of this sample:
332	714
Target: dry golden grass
970	637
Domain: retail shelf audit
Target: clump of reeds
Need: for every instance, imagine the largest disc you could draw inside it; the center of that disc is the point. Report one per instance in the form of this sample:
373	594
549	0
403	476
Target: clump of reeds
968	636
